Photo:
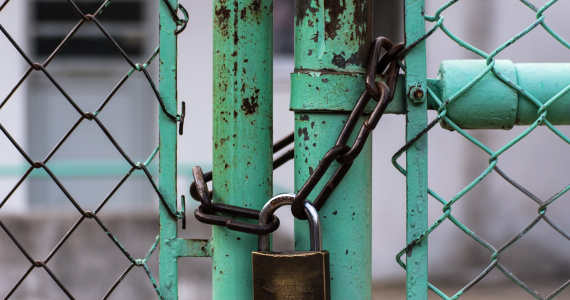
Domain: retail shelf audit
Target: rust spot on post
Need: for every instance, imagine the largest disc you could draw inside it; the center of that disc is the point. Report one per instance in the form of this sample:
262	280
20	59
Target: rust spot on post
302	9
303	131
334	9
223	17
315	37
341	62
250	104
256	6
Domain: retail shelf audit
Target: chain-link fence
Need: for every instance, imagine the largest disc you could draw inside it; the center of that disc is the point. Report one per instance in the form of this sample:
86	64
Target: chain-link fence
444	100
104	18
536	108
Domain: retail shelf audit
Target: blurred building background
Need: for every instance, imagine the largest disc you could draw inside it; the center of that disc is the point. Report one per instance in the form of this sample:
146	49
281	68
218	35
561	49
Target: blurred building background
37	116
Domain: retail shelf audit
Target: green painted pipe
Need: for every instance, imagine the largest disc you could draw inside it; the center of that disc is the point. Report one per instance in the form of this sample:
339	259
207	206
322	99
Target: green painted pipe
493	104
490	104
168	134
242	138
332	39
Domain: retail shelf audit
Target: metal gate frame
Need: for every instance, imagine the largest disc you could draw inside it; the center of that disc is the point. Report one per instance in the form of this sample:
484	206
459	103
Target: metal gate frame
171	246
242	166
327	65
241	98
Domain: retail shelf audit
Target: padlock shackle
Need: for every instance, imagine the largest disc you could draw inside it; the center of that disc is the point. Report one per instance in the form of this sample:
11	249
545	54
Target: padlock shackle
314	226
287	199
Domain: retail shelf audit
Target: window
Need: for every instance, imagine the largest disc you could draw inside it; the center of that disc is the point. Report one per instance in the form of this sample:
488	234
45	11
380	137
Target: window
54	20
88	67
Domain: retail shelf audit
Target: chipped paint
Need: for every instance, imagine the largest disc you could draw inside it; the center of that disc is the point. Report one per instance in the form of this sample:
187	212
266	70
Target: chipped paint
242	166
327	81
331	27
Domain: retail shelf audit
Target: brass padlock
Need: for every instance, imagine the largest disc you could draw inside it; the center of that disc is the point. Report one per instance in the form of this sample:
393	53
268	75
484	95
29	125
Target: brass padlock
291	275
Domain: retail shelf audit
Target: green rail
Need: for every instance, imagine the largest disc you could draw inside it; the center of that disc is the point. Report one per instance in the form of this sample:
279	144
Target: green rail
168	256
416	157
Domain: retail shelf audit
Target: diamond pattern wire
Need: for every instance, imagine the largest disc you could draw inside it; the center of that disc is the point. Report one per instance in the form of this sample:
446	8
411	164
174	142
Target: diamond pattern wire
84	18
438	23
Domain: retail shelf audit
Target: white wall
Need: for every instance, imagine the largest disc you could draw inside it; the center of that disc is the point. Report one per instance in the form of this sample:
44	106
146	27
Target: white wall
13	114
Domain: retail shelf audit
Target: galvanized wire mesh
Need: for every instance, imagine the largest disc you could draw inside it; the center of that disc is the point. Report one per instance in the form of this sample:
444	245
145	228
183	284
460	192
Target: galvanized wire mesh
437	23
136	69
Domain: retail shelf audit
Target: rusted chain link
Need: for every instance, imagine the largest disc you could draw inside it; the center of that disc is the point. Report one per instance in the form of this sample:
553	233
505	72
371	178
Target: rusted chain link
279	161
383	93
206	212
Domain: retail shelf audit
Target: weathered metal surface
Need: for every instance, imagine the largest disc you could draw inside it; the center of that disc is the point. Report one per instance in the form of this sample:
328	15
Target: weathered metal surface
334	36
242	138
493	104
168	256
341	151
209	213
488	104
337	92
291	274
545	82
416	156
346	219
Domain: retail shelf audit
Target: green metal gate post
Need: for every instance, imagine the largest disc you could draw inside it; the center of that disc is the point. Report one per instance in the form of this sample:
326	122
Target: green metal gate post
332	39
168	271
416	156
242	138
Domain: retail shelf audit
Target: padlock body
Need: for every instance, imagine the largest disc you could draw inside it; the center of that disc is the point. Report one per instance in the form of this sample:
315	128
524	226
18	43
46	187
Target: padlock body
291	275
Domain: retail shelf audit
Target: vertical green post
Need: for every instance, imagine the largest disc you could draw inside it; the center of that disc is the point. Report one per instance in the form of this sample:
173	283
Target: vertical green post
242	137
168	271
416	156
332	40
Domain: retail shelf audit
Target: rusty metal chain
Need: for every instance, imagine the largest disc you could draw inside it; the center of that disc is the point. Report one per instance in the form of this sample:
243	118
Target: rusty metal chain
206	212
381	92
388	67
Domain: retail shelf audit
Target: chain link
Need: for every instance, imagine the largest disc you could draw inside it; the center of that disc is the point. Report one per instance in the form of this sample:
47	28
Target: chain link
83	215
388	67
381	92
497	253
207	210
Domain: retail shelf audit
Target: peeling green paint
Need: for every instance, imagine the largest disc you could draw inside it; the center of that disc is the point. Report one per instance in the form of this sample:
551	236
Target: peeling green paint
331	48
416	157
168	134
242	138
